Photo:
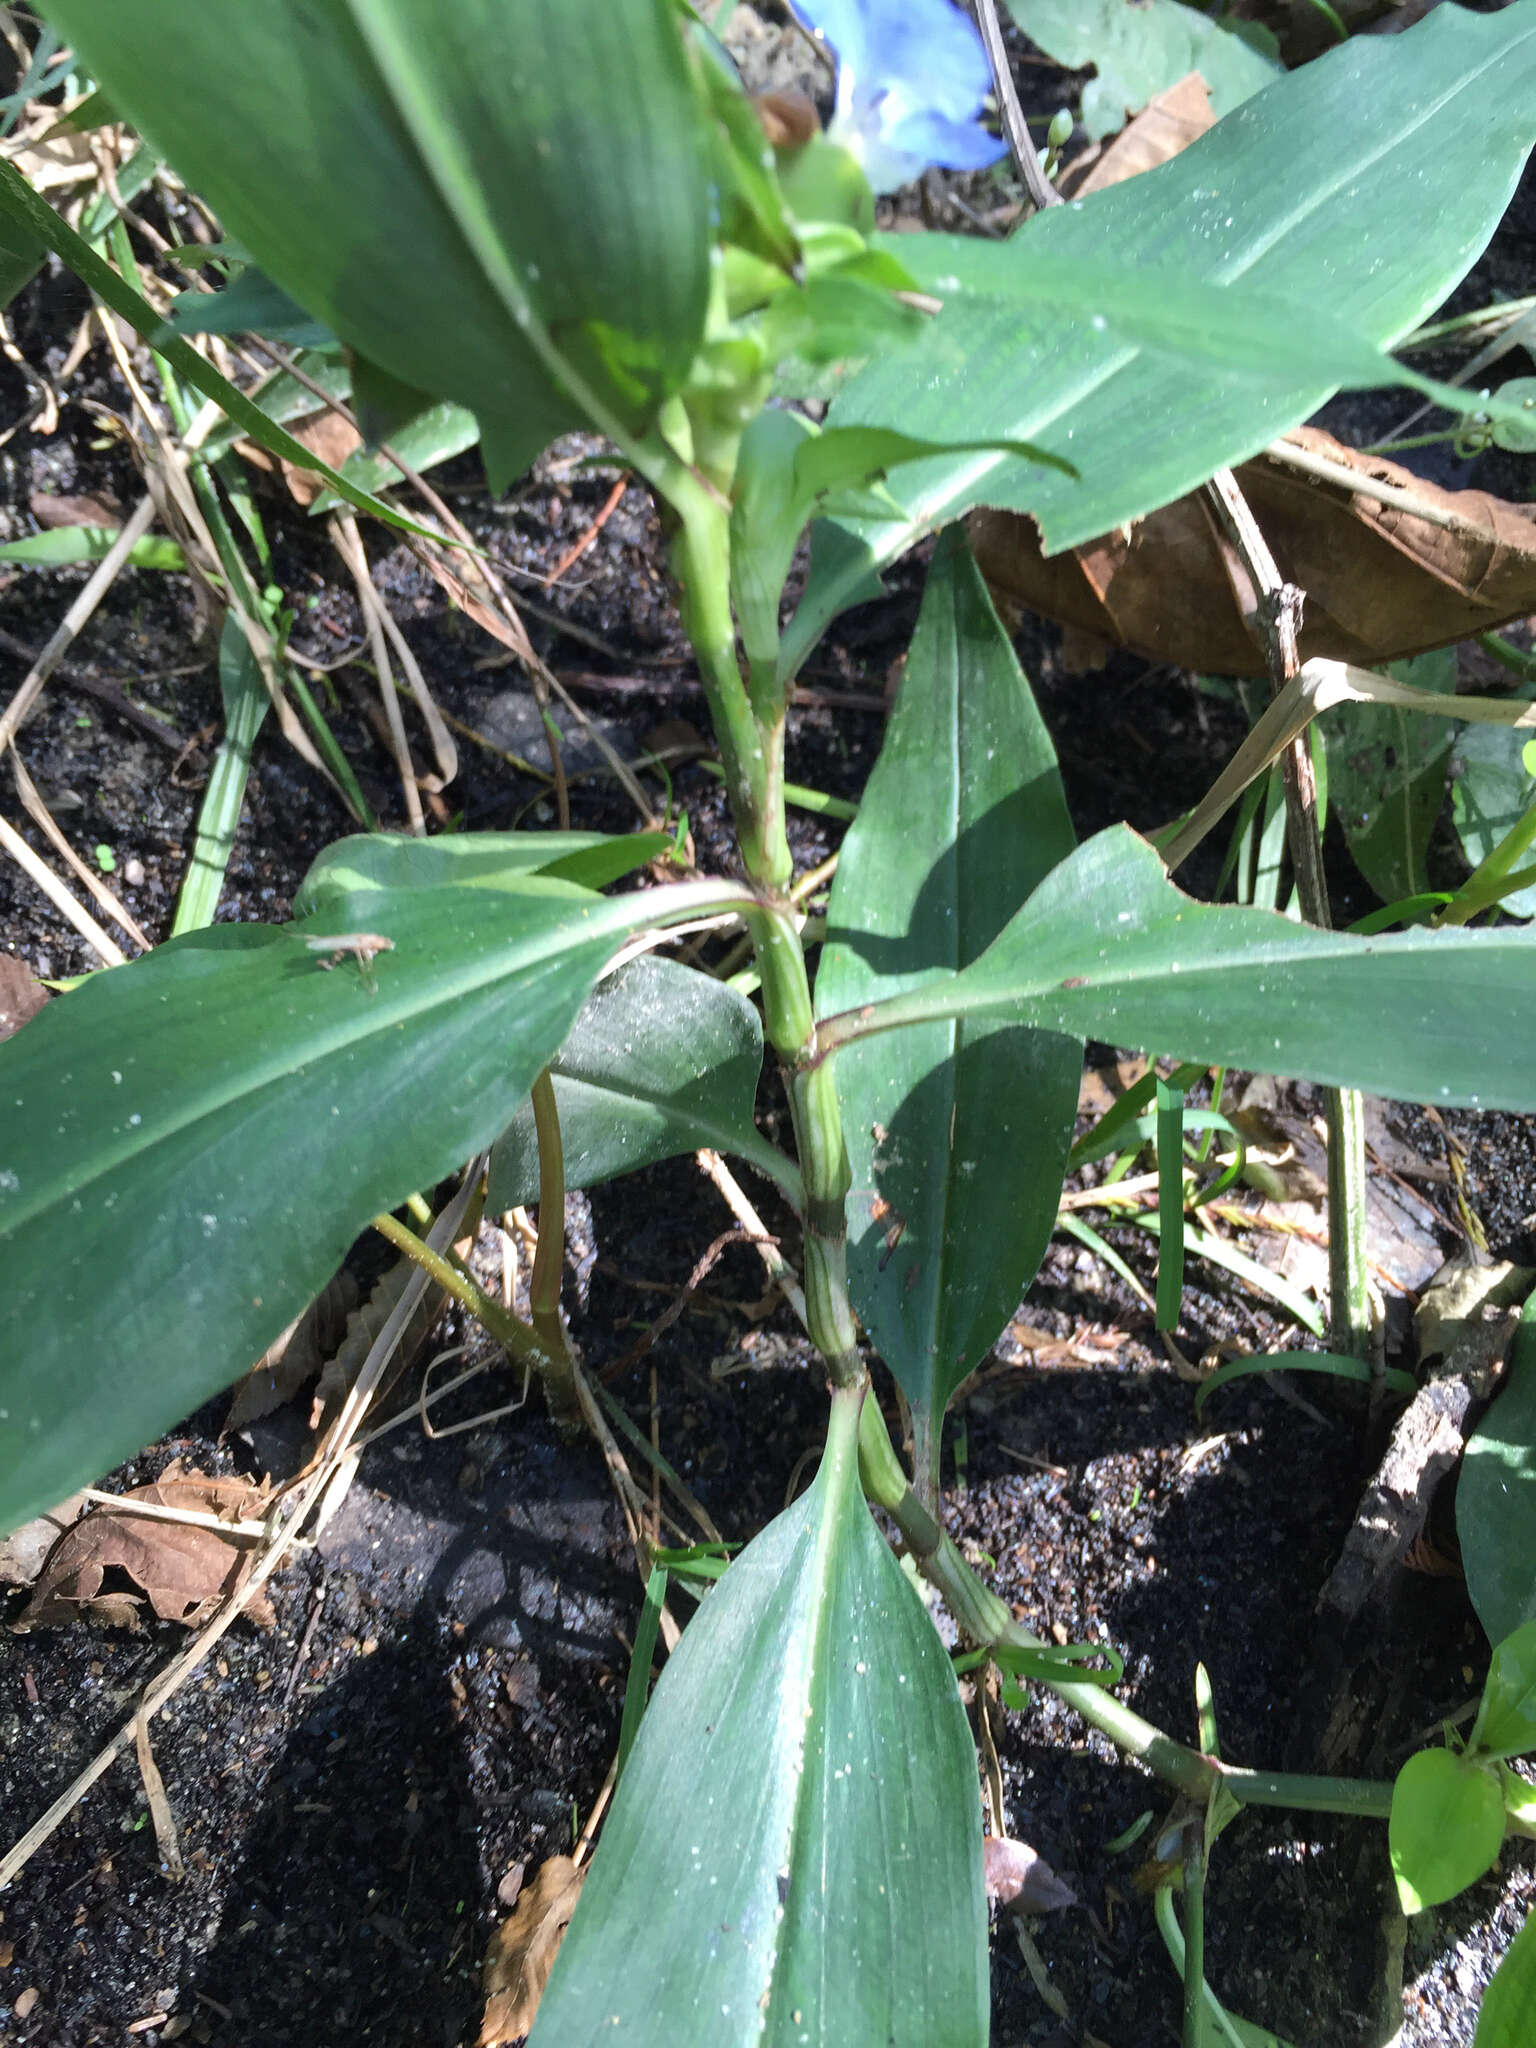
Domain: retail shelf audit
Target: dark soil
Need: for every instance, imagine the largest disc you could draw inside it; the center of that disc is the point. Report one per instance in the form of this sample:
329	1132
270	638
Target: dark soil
440	1697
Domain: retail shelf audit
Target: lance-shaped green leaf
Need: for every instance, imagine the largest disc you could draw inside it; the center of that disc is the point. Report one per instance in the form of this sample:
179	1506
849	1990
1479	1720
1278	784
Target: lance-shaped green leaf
662	1059
794	1852
957	1133
191	1142
250	304
504	203
433	436
58	547
1108	948
1354	193
1492	790
1506	1719
339	881
1496	1496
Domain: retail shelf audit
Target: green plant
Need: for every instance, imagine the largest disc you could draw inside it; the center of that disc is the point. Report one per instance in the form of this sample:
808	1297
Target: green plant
192	1141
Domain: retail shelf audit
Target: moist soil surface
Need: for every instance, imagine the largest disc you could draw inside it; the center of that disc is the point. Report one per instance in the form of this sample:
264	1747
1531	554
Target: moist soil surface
437	1701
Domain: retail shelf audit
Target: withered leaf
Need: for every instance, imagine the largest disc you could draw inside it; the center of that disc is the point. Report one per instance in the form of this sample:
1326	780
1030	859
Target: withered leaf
22	995
1167	124
1016	1876
363	1325
296	1355
523	1951
184	1570
325	434
52	509
1381	582
24	1552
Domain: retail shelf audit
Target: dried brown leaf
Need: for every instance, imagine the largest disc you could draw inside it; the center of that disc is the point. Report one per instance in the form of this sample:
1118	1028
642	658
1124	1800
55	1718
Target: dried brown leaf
296	1356
363	1325
523	1951
325	434
22	995
53	509
184	1570
1167	124
24	1551
1381	582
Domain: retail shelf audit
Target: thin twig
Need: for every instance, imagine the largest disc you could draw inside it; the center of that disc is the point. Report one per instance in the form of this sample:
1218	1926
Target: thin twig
1274	619
1015	127
59	896
349	545
757	1233
100	581
247	1531
1291	456
39	812
166	1840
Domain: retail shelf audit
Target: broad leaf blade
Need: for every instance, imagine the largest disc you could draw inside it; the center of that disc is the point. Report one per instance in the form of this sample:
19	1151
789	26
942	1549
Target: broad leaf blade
1360	188
1445	1828
1108	948
957	1133
662	1059
504	203
192	1141
794	1852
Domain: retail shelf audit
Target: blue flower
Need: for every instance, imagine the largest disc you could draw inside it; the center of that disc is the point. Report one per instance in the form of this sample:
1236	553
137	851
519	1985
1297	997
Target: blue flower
911	77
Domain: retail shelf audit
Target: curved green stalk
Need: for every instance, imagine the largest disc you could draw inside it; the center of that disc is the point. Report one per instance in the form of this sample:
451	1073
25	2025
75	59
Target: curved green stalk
987	1621
1173	1939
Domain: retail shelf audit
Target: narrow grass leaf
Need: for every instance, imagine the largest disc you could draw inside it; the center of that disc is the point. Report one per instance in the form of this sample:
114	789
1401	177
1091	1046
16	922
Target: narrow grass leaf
246	704
1330	1362
1170	1205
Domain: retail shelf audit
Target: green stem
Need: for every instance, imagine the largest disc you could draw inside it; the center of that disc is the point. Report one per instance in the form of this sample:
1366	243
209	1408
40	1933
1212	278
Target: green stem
750	729
1173	1938
560	1390
544	1288
751	736
1493	877
516	1338
1194	1937
1349	1283
1514	658
987	1621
